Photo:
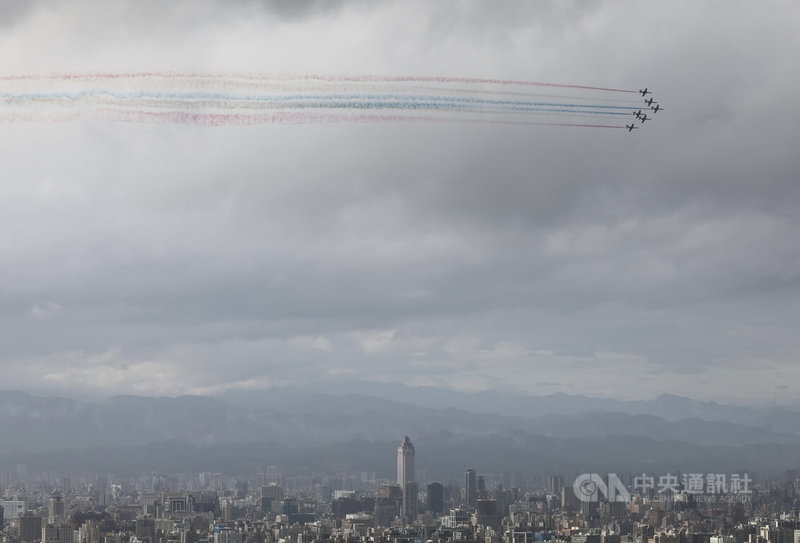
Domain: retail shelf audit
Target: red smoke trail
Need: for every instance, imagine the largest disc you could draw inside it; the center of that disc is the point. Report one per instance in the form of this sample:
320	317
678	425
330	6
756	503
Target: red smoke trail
279	117
307	77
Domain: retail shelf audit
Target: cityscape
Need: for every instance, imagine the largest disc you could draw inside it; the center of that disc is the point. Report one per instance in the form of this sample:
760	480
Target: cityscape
399	271
520	507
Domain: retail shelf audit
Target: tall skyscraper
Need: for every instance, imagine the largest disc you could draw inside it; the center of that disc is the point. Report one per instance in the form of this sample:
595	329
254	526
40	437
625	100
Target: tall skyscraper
554	483
471	488
405	462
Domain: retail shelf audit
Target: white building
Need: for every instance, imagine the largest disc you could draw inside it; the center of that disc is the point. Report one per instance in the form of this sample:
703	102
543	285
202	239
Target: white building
12	508
227	535
405	462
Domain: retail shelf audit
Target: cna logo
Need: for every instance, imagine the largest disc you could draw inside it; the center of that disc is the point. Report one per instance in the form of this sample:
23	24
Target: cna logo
590	487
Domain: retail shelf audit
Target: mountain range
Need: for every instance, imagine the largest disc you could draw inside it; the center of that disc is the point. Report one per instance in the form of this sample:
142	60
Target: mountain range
355	426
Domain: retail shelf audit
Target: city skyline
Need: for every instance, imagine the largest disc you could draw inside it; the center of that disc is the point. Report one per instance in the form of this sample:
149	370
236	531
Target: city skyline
268	507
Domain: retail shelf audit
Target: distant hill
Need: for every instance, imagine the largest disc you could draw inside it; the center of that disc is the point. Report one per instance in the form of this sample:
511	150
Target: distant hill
308	430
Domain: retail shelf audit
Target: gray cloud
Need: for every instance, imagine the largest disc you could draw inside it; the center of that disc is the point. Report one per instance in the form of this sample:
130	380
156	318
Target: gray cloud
465	255
15	12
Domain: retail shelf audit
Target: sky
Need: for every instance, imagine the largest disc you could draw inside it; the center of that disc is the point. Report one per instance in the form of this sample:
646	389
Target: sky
167	259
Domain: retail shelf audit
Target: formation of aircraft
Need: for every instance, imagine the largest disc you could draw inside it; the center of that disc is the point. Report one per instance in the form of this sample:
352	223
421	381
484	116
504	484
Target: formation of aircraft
650	103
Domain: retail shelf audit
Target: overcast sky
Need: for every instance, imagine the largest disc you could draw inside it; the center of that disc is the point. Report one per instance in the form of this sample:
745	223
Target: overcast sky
171	259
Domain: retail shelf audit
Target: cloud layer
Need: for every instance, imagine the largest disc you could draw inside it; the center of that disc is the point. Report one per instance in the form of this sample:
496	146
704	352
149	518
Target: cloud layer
163	259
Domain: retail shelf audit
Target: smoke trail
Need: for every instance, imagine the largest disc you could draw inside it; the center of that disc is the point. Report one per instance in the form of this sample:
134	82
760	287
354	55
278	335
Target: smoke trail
279	117
318	77
216	99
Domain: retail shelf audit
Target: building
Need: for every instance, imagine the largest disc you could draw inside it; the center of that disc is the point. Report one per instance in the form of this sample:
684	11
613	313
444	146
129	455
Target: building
55	510
486	513
471	488
227	511
30	527
456	518
405	462
13	509
410	501
145	529
435	503
392	492
57	533
383	514
224	534
271	496
89	532
555	483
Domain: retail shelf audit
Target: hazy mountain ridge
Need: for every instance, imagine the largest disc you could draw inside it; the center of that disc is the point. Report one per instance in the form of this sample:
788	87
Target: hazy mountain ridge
288	426
667	406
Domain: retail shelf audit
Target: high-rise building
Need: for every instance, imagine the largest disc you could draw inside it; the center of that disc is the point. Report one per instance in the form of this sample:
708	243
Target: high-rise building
55	510
435	498
487	513
555	483
410	501
271	496
383	514
569	501
471	488
405	462
30	528
1	518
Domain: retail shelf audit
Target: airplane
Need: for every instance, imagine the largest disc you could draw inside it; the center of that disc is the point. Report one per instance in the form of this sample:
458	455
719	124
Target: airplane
649	102
630	127
644	118
645	91
657	108
637	114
